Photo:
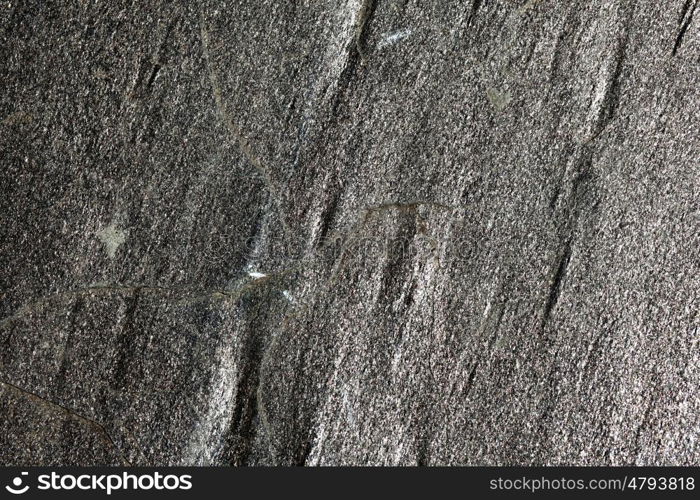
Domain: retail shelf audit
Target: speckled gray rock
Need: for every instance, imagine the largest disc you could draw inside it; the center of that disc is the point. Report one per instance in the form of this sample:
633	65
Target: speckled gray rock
350	232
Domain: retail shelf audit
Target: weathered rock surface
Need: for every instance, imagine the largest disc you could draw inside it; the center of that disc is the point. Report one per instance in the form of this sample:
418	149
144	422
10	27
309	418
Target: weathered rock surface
350	232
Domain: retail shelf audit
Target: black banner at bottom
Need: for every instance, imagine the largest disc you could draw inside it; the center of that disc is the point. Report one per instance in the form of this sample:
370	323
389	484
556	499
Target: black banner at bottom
223	482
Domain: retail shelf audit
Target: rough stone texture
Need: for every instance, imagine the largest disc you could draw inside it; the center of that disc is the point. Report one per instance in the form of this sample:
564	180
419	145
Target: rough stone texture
350	232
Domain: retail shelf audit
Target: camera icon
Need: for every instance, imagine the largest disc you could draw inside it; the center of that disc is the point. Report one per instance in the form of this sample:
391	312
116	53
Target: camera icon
16	487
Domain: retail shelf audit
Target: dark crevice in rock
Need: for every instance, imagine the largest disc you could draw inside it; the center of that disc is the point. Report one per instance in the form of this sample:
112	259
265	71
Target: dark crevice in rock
154	75
611	98
304	452
343	83
328	214
156	63
364	15
476	5
488	328
423	452
556	284
242	429
127	347
685	24
569	216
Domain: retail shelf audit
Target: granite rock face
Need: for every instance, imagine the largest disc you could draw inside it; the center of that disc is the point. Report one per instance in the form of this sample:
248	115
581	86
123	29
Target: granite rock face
388	232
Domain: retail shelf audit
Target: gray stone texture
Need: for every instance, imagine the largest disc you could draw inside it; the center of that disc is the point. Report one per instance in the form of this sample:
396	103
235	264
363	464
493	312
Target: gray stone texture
390	232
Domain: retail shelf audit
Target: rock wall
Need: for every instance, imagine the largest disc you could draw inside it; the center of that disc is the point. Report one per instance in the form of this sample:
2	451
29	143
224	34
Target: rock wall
387	232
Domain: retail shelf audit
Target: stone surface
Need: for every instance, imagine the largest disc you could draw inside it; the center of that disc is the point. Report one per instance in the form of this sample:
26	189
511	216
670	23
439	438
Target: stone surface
350	232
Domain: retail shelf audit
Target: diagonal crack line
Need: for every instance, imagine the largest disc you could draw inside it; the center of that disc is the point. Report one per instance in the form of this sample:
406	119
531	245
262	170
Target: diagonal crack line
232	127
356	50
225	294
72	413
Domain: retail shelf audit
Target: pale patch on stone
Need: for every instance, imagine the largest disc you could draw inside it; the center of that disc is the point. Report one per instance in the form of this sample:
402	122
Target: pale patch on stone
112	237
18	117
498	99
